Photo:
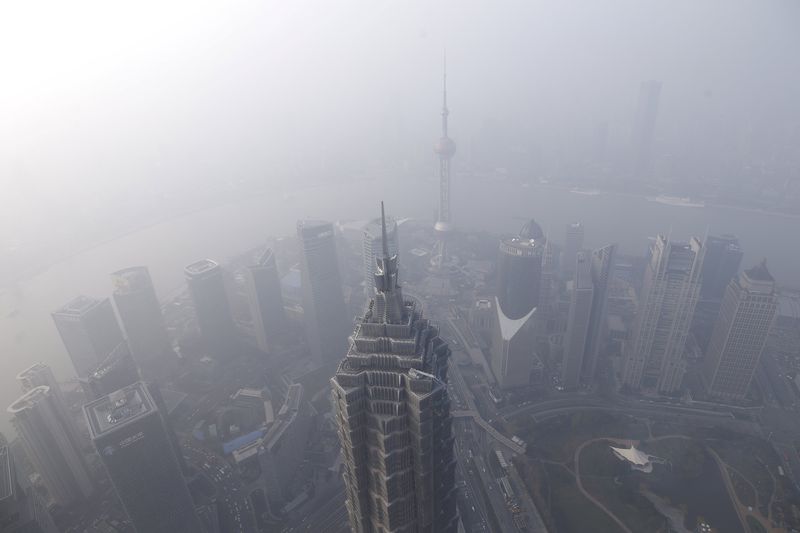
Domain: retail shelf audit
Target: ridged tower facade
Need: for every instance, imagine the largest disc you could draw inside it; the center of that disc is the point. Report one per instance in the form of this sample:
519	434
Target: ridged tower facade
393	412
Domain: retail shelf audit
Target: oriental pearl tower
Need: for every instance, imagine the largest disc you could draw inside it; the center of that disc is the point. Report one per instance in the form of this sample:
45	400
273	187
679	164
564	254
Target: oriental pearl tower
445	148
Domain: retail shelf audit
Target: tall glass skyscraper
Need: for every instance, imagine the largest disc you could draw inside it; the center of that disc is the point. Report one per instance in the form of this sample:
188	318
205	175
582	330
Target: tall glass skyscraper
324	312
140	313
207	287
133	440
89	330
519	279
265	299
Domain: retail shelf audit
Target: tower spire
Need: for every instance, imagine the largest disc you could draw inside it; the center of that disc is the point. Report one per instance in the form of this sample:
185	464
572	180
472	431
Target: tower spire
445	111
384	240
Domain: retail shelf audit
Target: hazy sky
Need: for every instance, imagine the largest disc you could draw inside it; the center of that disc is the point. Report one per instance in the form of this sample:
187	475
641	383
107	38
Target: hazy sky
103	101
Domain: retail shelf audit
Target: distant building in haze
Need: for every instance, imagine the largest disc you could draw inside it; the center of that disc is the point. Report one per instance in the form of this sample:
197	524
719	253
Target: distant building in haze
654	355
140	314
22	510
324	311
372	244
393	412
580	311
207	287
644	128
89	331
519	273
265	299
49	444
129	431
573	243
740	334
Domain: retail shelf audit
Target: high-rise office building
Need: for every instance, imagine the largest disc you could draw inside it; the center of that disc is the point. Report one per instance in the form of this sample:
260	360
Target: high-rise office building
212	308
547	314
324	311
519	273
40	374
117	371
602	273
393	411
89	331
573	243
580	312
740	334
644	127
265	299
140	314
130	433
372	244
720	265
654	355
48	441
22	510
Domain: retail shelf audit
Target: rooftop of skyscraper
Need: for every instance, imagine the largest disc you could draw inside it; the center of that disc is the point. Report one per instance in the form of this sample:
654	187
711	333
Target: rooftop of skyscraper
77	306
130	279
115	358
263	258
759	272
200	268
118	409
531	230
29	399
31	371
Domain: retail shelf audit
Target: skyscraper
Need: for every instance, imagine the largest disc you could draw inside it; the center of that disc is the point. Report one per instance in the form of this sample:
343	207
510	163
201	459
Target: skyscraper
207	287
519	272
545	321
644	127
265	299
602	273
654	355
130	434
393	412
324	311
372	244
140	313
445	149
573	243
117	371
740	334
40	374
580	311
89	331
721	264
50	446
22	510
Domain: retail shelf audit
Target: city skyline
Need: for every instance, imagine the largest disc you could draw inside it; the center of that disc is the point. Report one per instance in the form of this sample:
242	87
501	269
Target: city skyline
549	346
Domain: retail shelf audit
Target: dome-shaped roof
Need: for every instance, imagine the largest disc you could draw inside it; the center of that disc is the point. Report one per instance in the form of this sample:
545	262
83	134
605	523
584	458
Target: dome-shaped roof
531	230
445	147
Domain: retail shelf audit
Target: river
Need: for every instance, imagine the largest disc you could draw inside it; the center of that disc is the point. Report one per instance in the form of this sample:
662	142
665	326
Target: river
27	334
